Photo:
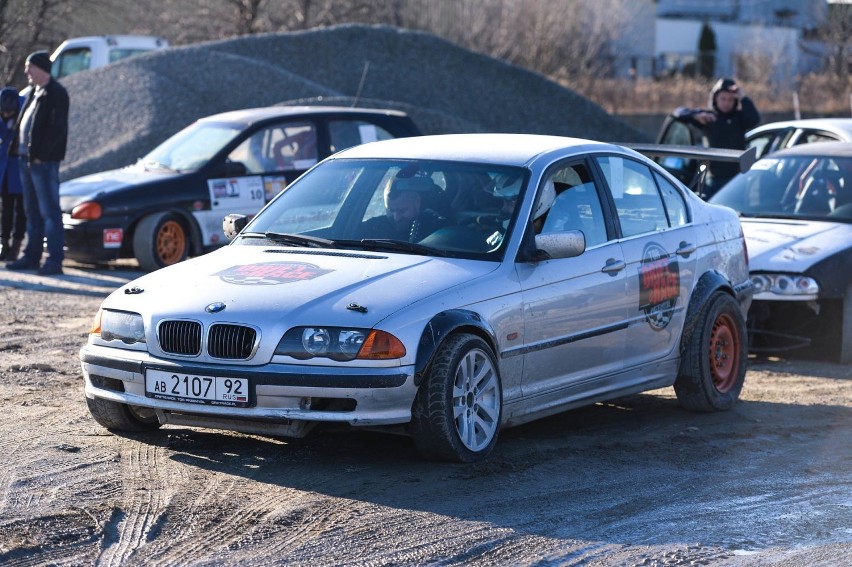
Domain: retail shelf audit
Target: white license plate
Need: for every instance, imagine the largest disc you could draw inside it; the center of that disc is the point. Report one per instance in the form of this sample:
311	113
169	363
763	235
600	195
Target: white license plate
214	390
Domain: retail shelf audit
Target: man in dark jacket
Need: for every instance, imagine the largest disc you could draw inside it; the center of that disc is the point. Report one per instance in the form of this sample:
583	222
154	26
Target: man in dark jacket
724	125
42	138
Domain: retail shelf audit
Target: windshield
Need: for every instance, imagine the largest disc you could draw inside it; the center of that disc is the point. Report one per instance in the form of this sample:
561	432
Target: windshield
192	147
792	186
422	207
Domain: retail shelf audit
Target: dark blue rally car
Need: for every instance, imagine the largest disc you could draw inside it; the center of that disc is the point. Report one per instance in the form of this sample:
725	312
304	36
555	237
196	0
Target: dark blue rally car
170	204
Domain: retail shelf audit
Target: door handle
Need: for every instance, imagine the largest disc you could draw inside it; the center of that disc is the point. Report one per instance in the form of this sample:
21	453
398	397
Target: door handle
685	249
613	266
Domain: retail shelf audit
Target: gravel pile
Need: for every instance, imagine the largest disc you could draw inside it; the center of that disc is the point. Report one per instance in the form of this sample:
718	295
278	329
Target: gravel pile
120	112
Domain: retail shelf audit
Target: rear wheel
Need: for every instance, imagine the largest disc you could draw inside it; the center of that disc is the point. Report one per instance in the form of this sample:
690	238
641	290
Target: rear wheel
713	367
160	240
457	411
116	416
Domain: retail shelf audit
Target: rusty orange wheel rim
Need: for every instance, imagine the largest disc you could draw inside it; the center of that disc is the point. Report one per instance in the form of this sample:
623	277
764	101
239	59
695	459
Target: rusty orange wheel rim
171	243
724	353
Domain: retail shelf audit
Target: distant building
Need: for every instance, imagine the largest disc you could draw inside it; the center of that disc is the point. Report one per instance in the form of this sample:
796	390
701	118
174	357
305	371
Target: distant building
748	38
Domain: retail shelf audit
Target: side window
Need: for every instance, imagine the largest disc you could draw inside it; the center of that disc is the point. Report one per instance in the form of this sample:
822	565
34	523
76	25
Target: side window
675	205
347	133
813	137
71	61
761	143
278	148
294	146
634	191
577	205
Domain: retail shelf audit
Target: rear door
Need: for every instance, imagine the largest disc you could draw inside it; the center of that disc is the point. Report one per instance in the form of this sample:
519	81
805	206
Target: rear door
659	245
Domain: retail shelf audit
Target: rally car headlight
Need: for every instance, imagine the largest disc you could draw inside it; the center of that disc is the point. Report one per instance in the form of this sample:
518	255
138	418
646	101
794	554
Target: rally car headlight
784	284
119	326
340	344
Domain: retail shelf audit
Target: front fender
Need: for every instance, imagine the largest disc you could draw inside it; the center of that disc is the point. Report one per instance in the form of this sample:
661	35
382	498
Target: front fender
442	326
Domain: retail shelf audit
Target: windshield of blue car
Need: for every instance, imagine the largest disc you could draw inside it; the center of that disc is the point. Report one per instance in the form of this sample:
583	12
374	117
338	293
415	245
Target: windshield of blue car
451	209
813	187
192	147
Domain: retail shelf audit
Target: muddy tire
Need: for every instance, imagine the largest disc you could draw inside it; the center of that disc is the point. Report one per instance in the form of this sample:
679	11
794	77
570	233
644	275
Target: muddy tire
116	416
713	365
457	411
160	240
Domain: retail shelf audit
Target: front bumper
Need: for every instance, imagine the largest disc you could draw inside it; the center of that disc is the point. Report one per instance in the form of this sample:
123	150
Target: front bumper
94	241
281	392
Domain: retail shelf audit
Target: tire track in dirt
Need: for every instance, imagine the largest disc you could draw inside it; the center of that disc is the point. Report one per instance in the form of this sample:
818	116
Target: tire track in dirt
144	495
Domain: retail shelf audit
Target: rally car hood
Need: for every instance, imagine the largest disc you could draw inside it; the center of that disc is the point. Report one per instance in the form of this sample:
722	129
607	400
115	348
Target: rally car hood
292	286
107	181
792	246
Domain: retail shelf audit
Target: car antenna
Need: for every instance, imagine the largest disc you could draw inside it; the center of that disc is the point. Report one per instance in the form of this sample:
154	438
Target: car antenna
361	84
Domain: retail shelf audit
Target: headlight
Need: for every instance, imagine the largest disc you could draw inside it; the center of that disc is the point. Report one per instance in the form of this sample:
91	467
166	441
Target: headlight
119	326
784	284
340	344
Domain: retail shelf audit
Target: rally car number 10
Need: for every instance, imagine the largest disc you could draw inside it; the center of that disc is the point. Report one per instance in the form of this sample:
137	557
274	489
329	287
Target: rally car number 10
196	389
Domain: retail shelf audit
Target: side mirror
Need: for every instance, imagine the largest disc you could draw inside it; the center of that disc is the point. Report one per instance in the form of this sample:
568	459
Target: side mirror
563	244
233	224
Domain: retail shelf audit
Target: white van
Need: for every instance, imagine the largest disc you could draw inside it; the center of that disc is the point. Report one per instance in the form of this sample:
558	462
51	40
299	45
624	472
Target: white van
84	53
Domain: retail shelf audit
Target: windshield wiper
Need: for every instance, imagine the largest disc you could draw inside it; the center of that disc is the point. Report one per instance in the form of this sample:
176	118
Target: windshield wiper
300	240
392	245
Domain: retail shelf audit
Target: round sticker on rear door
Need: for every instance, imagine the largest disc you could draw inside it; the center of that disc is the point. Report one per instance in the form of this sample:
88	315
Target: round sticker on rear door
659	286
271	273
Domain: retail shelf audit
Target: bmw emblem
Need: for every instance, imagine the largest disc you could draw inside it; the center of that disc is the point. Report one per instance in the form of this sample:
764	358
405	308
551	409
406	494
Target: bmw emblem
215	307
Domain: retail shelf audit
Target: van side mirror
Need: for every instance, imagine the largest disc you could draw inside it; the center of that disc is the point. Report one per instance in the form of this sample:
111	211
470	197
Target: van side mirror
233	224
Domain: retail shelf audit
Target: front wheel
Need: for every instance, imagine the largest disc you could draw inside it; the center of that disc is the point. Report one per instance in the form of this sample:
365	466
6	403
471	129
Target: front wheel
160	240
116	416
457	411
713	366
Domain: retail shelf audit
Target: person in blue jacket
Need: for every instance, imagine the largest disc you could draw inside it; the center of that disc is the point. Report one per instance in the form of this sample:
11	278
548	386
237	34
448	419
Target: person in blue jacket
13	222
723	125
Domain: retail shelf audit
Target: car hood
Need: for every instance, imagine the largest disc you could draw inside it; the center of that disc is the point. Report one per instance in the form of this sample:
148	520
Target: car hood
293	286
792	245
107	181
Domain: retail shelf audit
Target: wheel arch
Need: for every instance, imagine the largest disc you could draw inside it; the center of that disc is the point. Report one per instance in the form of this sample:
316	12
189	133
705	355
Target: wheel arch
708	284
442	326
196	246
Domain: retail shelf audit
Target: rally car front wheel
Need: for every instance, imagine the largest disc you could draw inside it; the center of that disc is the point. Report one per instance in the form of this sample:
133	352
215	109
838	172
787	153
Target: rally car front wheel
457	411
116	416
160	240
713	364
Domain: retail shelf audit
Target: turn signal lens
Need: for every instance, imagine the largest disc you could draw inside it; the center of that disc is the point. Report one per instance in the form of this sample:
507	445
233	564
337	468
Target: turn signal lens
95	329
380	345
89	210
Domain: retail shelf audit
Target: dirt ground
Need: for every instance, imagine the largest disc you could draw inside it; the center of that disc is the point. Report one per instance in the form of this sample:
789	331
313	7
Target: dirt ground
634	482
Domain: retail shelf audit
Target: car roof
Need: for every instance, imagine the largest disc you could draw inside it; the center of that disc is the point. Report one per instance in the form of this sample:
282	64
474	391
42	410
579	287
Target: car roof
250	115
816	149
840	126
507	149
